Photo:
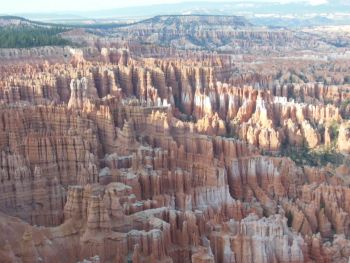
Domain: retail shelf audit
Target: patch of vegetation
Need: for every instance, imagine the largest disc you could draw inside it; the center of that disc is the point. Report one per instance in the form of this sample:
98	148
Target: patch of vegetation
334	131
291	94
321	157
343	109
320	79
347	80
289	216
303	77
325	80
322	204
328	101
279	74
26	37
232	130
103	26
293	78
345	103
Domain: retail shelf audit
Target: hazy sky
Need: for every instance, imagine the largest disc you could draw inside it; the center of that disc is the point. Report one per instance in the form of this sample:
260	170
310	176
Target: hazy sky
28	6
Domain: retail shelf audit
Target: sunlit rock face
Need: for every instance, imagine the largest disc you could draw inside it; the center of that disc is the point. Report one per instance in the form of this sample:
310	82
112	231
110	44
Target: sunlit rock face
161	160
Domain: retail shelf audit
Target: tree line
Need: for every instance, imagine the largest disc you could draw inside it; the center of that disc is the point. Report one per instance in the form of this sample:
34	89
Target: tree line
26	37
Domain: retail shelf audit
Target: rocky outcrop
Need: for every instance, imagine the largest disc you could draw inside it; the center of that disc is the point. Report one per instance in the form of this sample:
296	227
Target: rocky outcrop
231	34
154	160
